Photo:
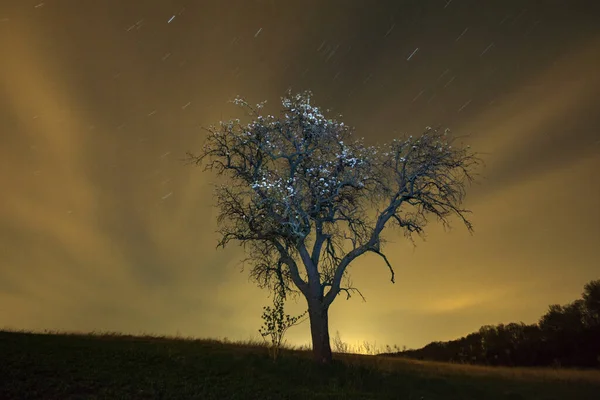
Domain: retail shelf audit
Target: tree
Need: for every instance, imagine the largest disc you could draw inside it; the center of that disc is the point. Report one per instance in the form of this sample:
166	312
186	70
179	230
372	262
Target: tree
305	198
563	328
591	298
276	323
567	335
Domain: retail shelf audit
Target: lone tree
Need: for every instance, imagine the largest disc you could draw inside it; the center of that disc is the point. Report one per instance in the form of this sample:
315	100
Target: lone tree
306	198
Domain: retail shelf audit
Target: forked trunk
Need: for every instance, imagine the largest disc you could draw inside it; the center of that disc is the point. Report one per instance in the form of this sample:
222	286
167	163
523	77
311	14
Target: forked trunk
319	330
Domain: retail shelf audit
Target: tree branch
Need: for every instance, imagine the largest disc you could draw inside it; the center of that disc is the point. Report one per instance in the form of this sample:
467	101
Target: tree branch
301	178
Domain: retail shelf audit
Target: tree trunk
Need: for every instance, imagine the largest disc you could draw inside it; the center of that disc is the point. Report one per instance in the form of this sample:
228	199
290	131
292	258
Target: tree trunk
319	330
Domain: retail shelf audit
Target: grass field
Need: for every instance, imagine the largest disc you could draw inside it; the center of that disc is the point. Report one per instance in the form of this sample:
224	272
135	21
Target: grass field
114	366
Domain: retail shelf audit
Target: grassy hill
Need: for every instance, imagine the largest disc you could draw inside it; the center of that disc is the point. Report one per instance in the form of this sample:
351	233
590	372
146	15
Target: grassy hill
114	366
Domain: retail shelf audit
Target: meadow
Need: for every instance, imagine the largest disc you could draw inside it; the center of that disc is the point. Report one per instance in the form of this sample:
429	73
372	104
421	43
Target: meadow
55	365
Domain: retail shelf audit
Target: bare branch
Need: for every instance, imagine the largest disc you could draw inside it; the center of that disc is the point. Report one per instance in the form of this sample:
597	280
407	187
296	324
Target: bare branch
387	263
348	291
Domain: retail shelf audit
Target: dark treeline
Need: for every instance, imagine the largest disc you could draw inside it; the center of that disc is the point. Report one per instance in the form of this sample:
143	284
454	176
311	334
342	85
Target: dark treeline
566	335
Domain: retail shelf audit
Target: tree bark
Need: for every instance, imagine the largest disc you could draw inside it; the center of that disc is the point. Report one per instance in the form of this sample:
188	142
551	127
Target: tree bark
319	330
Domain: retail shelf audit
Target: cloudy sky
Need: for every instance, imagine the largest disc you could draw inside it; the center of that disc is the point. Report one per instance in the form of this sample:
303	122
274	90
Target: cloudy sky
104	227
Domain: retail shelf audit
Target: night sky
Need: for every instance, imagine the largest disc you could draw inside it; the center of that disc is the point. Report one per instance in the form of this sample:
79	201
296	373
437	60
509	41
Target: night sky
104	227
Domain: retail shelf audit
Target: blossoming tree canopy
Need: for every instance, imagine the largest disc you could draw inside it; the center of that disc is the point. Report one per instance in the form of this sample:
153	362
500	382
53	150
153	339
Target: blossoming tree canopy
302	190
